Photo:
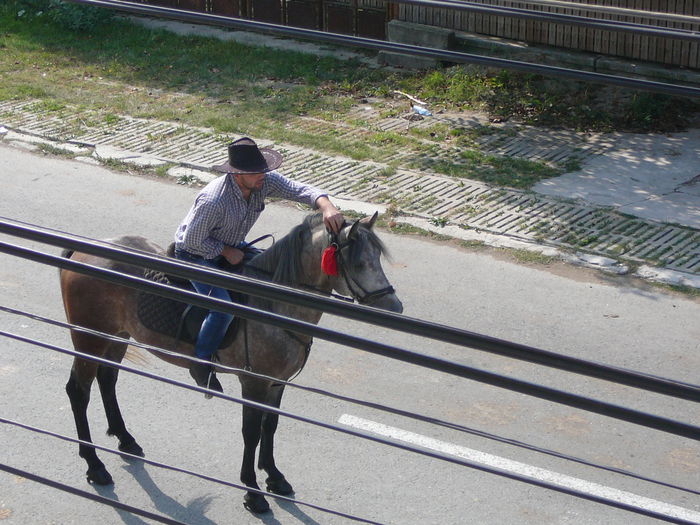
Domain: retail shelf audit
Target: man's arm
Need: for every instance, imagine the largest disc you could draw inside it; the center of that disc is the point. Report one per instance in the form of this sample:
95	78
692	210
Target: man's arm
332	217
281	186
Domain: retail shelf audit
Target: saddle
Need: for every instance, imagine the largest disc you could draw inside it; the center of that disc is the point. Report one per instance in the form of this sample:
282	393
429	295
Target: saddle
180	320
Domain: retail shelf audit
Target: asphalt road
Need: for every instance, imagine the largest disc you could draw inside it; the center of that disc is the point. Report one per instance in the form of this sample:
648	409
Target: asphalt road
571	311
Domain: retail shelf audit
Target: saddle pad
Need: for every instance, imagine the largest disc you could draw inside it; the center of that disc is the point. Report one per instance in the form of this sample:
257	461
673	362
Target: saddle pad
176	319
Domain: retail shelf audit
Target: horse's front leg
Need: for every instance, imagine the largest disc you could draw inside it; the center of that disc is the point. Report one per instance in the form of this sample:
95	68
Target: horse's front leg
252	420
276	483
107	380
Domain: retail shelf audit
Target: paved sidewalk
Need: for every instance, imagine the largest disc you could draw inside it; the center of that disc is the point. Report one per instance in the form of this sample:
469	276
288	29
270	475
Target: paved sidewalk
650	176
576	216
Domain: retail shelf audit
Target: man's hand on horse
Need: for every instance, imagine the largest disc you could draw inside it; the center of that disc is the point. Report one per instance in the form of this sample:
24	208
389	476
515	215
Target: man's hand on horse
332	217
232	255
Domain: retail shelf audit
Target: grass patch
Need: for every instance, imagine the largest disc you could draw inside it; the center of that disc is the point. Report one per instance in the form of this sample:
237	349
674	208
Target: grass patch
162	171
185	180
50	149
440	222
127	69
502	171
408	229
538	100
120	165
472	244
124	69
531	257
353	215
48	106
678	288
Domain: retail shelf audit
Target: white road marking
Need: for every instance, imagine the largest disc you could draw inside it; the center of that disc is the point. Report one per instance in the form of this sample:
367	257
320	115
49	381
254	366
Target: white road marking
523	469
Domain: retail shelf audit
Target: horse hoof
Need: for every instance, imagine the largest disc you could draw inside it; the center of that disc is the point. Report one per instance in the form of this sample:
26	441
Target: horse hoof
255	503
279	486
99	476
132	448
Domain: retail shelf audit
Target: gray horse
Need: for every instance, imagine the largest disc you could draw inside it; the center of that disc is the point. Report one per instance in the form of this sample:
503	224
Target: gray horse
294	260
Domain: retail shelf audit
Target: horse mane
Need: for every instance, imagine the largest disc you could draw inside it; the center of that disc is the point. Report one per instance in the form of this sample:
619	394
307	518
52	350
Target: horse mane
282	261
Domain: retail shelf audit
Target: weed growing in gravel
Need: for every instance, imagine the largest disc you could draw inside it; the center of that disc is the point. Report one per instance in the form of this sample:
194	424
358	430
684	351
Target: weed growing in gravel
504	171
50	149
531	256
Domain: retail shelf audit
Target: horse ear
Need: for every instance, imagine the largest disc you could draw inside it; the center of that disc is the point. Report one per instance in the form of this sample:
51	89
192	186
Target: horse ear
373	220
369	221
352	234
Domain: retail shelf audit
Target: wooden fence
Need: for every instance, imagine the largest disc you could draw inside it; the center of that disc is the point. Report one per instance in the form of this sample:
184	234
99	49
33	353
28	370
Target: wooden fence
366	18
632	46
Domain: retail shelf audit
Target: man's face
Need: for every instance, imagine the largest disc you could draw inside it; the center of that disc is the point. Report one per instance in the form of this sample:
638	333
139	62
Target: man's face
250	181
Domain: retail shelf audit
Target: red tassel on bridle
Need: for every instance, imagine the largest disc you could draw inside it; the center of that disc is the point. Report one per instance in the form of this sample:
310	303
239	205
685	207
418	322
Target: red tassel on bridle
329	263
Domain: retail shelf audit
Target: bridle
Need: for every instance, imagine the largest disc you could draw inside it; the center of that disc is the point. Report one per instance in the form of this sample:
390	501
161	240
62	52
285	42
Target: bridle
357	291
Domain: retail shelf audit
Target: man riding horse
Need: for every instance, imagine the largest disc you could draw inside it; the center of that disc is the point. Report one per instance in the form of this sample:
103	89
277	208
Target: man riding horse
308	257
214	229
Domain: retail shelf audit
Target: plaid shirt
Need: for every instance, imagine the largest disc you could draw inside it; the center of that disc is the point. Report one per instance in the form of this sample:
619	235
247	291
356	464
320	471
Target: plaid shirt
220	215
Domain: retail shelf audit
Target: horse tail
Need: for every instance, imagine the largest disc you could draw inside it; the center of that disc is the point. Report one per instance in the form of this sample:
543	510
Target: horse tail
67	254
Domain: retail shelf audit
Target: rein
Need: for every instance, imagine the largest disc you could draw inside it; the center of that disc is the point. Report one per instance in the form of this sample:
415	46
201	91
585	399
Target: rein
305	286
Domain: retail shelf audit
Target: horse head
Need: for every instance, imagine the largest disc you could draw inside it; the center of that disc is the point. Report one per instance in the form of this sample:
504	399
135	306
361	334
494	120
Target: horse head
358	253
296	260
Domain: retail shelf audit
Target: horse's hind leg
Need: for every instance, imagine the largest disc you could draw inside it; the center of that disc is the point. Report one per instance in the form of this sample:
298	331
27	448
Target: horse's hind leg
107	380
78	390
275	482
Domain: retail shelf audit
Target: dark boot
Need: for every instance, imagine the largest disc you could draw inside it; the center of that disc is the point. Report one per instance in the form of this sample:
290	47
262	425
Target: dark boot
204	376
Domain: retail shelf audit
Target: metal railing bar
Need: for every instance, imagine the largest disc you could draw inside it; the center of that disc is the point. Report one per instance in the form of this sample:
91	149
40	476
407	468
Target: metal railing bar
370	437
549	394
360	313
89	495
184	471
369	43
558	18
360	402
625	11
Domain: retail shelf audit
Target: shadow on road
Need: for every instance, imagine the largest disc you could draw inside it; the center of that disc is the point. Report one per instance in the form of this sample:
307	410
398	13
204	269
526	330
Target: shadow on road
192	513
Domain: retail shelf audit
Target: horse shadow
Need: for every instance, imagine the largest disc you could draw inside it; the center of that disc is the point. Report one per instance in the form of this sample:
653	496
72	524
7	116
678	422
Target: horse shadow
294	510
127	517
194	511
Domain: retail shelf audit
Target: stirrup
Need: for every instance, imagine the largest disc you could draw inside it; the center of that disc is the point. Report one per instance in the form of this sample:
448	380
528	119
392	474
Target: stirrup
213	384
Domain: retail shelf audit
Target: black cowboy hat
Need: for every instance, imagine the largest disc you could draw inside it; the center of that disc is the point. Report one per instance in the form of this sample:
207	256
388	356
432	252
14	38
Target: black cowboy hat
244	156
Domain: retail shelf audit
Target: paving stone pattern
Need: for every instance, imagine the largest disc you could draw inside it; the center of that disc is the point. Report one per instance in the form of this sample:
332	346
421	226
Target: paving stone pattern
467	203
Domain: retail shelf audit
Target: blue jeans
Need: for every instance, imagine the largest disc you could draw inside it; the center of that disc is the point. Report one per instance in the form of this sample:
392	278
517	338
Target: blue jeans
215	323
